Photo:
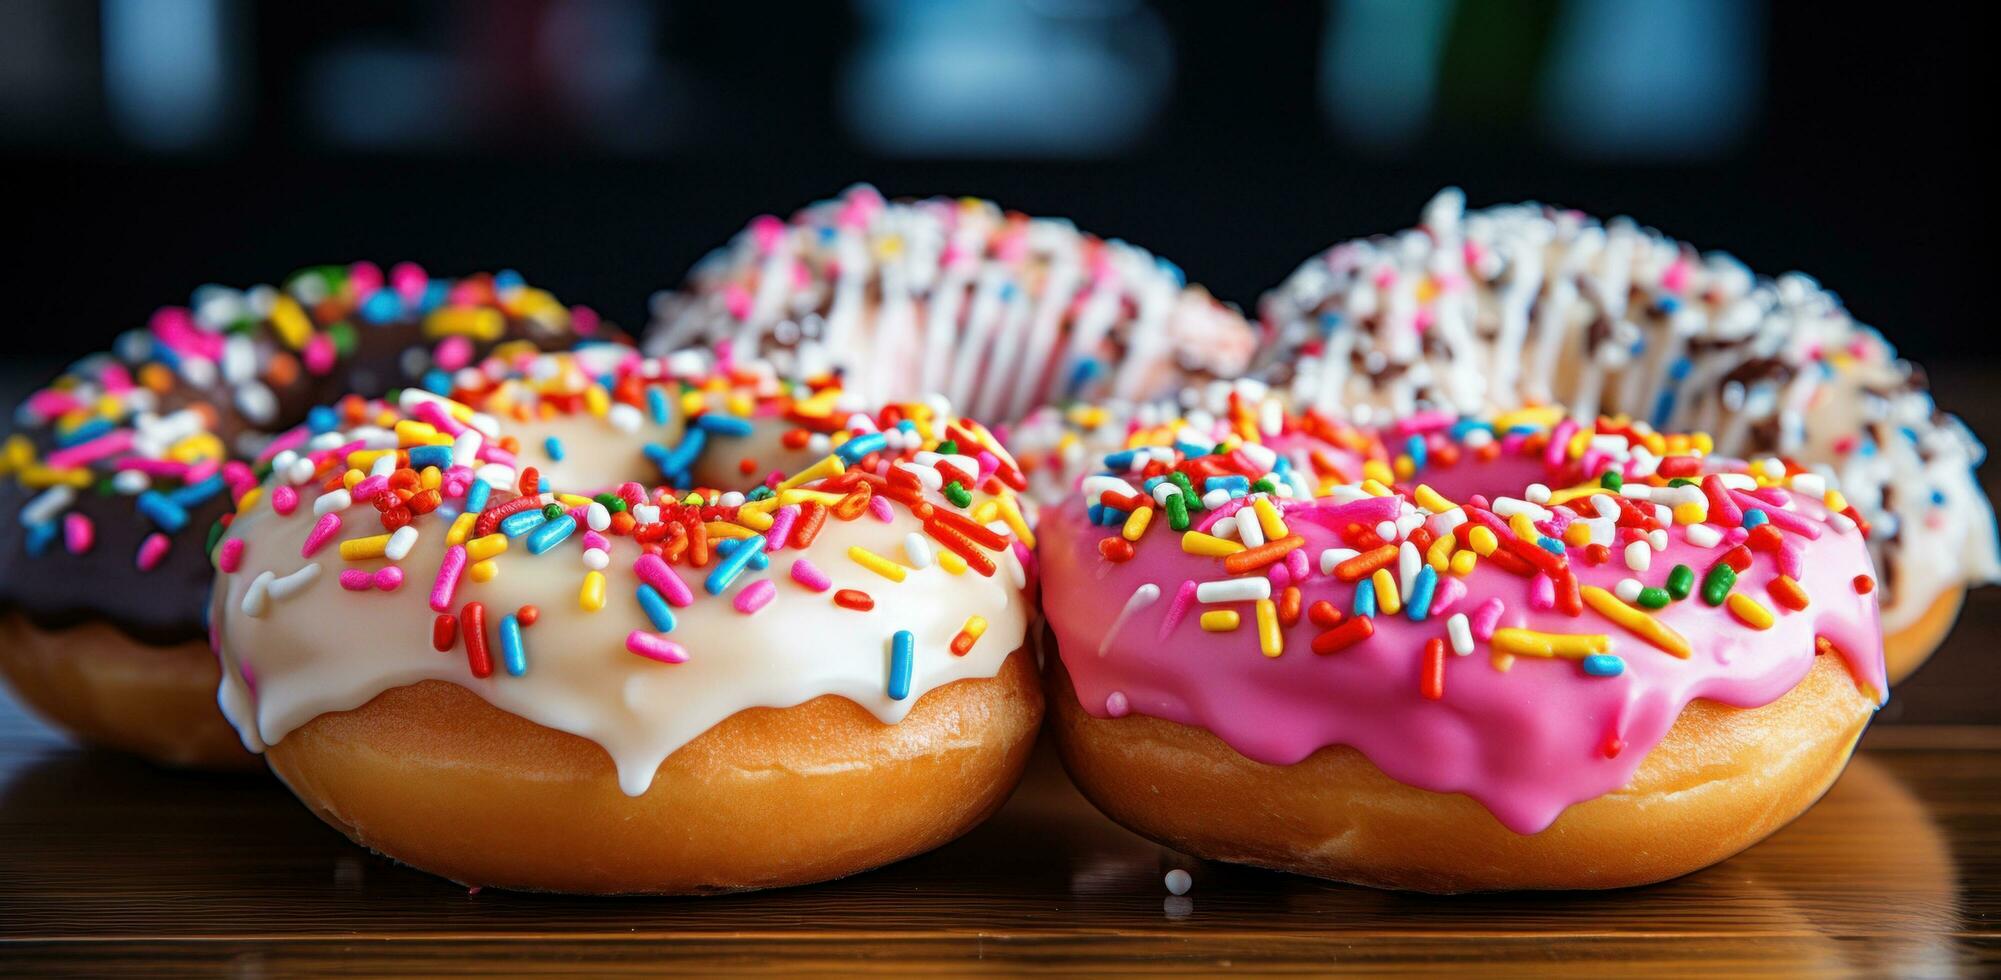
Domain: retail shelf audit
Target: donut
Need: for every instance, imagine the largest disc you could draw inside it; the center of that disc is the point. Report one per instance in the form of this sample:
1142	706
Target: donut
1449	654
997	311
1524	304
118	469
776	668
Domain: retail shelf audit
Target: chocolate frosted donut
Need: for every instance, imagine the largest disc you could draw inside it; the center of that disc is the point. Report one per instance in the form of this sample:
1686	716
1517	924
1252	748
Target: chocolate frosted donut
995	310
119	468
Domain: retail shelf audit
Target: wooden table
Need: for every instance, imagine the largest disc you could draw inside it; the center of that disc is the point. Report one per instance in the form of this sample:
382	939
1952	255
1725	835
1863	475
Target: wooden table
109	866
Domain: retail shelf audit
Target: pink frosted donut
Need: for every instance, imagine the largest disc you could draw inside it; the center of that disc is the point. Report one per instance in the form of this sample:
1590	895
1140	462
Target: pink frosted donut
1450	656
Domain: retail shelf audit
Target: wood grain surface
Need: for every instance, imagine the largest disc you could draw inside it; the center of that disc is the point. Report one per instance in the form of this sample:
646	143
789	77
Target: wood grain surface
111	867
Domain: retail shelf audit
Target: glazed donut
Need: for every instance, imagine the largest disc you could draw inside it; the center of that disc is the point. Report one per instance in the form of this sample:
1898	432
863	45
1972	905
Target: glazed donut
121	466
1518	653
633	690
997	311
1518	305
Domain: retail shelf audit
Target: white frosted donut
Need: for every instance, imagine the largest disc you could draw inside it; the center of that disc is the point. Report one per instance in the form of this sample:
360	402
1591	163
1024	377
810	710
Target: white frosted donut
997	311
1494	309
625	689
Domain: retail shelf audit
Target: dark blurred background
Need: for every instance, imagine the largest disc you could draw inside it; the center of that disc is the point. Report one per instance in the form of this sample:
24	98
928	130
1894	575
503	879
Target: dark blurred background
601	146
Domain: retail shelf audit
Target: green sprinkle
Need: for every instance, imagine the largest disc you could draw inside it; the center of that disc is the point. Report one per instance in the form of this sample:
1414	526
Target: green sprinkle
958	495
214	538
1611	481
949	447
759	492
1654	598
1716	585
1263	486
1680	581
552	511
343	336
1177	511
1194	500
1681	481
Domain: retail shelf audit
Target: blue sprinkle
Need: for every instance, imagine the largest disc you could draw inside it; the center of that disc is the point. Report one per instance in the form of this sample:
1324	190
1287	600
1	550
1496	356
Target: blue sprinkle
1663	407
1193	449
1466	427
906	426
1096	514
1121	460
1668	304
1417	605
551	534
656	405
542	484
1414	447
162	511
382	306
723	425
757	561
1680	369
476	496
552	445
1115	517
729	566
83	433
1549	544
40	536
507	281
321	419
196	494
1365	598
436	382
854	449
438	456
1603	665
654	605
518	524
1328	321
1938	498
902	659
513	655
1226	483
1753	517
435	293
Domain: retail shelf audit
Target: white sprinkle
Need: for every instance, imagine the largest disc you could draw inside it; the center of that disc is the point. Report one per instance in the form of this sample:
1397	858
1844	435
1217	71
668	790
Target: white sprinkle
917	548
1246	589
400	542
256	598
597	516
1249	531
1460	631
465	448
1408	562
1810	484
1703	535
1225	528
1335	556
1639	556
1142	597
131	482
383	465
327	503
646	514
1605	505
1537	493
47	505
1179	881
1841	522
295	583
1657	539
1387	531
1628	589
625	418
596	558
496	475
1636	491
1215	498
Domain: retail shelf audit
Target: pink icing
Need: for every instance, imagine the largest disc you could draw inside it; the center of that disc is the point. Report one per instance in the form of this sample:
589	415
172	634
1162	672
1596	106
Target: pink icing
1526	743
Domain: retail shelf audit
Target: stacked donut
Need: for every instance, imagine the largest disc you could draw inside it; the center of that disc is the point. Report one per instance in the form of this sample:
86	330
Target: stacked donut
995	310
119	468
1446	587
1525	304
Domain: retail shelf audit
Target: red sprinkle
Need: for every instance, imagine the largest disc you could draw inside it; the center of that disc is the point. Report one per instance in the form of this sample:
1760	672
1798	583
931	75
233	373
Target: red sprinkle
1432	684
1347	634
1864	585
444	632
1288	606
473	618
528	614
1115	549
854	599
1324	615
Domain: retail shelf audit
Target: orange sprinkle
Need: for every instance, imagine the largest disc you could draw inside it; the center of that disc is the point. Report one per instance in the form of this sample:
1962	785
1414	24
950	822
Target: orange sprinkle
1265	554
1787	592
1365	564
1288	606
528	614
1323	614
812	517
1864	585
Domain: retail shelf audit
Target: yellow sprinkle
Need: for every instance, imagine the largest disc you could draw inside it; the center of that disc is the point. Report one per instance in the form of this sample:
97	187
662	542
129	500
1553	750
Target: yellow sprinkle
250	500
1430	500
430	478
1136	523
876	563
1208	545
1406	467
460	529
290	323
596	401
761	506
951	562
484	571
1691	513
1701	443
1221	620
1568	494
569	500
1375	488
411	432
1635	621
1539	417
796	496
1388	601
1439	555
986	512
1274	525
724	529
1578	440
1523	527
1750	612
829	466
1011	515
591	596
479	323
1835	501
1463	563
1483	541
976	627
362	549
1531	643
756	520
482	548
1378	471
1270	640
1577	534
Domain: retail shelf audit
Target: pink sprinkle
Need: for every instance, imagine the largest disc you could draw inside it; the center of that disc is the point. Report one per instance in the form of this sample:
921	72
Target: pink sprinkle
364	278
1542	592
110	444
152	550
1117	705
239	476
780	533
323	531
284	500
809	575
654	571
357	580
755	596
1735	536
409	280
1295	561
632	493
1675	277
1722	509
1559	442
49	403
1449	591
453	353
369	488
878	507
1791	553
737	300
988	464
230	557
655	647
319	354
389	579
1785	520
592	539
78	533
1280	575
584	321
765	232
1485	618
448	578
1177	609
